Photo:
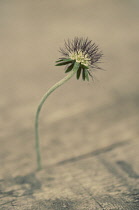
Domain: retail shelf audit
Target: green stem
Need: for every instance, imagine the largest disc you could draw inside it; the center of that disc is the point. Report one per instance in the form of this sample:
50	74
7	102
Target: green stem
58	84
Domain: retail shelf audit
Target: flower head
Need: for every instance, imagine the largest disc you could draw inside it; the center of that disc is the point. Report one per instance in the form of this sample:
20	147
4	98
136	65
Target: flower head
83	51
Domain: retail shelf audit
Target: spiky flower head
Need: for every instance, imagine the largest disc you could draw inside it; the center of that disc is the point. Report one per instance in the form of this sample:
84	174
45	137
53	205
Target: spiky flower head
83	51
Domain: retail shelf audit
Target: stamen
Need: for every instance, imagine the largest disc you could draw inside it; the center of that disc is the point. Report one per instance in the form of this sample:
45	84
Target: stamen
80	58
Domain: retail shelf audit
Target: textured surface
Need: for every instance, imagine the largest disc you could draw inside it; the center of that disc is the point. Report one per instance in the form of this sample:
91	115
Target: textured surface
89	131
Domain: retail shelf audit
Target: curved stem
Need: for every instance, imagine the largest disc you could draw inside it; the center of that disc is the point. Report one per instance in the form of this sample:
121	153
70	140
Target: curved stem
58	84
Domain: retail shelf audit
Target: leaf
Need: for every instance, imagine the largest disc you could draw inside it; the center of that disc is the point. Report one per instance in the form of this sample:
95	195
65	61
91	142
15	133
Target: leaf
85	67
64	60
90	74
59	60
68	59
69	68
83	74
64	63
86	75
79	72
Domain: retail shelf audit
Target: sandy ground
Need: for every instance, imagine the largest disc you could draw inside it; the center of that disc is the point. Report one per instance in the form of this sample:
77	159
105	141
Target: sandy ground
80	117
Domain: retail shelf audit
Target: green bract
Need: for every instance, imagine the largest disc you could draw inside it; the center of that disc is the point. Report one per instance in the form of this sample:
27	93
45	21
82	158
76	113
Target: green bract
70	63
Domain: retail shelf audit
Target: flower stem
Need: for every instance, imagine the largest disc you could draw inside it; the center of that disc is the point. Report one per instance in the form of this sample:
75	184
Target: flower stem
58	84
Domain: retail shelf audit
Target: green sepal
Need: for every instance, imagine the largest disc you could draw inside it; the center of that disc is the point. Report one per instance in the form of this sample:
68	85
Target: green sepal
83	74
63	63
69	68
85	67
78	72
64	60
59	60
90	74
86	75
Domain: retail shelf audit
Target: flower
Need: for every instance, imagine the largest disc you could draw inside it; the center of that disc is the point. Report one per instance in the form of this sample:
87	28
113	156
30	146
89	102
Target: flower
83	51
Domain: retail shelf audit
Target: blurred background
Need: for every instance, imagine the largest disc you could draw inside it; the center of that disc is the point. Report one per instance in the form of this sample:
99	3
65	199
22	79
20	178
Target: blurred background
79	117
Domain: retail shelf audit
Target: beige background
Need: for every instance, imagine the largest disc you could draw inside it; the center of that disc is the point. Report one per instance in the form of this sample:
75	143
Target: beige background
89	131
79	113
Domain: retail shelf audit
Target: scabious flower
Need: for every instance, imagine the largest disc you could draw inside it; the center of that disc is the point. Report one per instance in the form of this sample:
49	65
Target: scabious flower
82	51
80	56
